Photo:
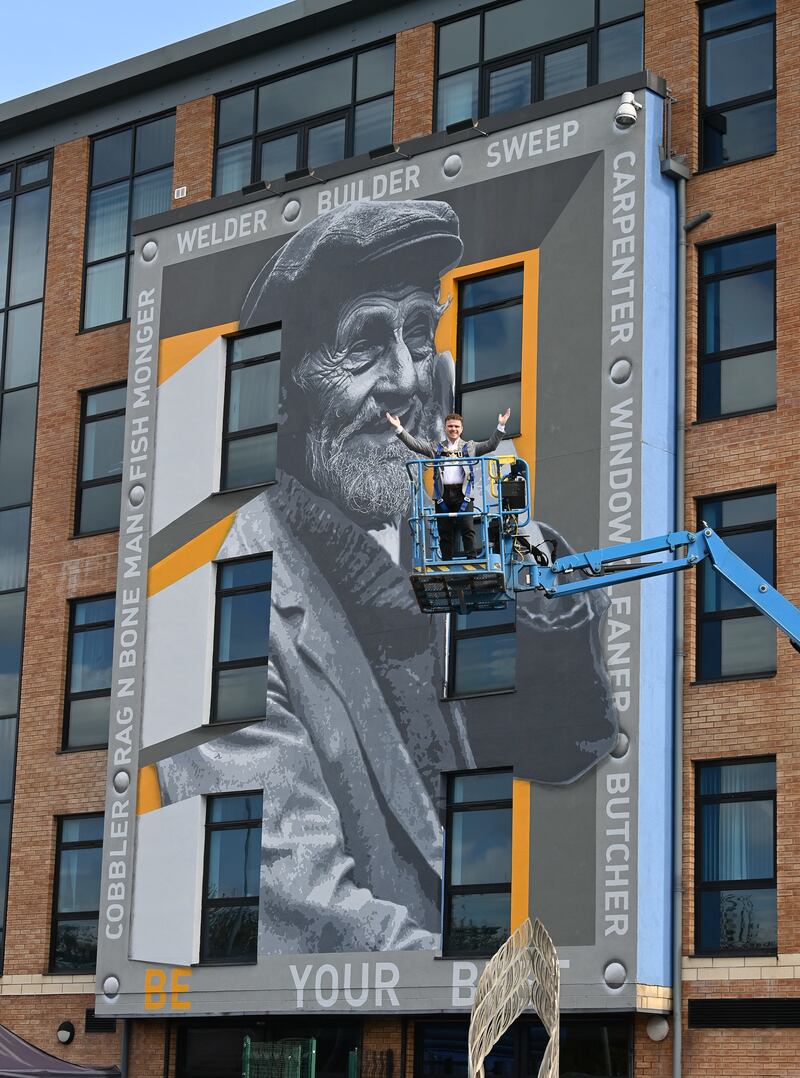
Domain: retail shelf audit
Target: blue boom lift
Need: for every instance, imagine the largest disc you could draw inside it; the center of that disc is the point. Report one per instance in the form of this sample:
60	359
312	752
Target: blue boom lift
510	562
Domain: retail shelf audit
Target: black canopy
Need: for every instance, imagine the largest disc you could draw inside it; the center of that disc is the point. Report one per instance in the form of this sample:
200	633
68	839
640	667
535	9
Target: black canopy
18	1059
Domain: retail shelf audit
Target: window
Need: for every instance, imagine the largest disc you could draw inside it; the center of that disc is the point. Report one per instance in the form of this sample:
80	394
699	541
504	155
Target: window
736	898
76	902
737	326
483	652
91	643
131	177
489	368
478	876
737	81
241	647
250	436
230	889
733	639
100	468
305	120
513	54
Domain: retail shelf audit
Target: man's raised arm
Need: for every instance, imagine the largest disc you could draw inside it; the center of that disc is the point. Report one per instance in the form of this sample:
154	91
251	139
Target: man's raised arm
423	449
496	437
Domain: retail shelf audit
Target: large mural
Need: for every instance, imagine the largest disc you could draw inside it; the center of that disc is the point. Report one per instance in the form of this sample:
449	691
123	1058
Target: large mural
362	276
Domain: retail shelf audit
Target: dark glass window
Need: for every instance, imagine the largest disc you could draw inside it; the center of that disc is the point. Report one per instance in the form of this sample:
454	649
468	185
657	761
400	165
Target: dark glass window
735	873
306	120
232	866
478	874
242	639
250	434
489	368
76	902
737	81
100	467
512	54
733	638
737	326
91	643
483	652
131	177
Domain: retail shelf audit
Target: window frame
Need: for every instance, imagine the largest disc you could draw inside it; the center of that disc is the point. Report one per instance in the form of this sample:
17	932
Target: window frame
705	110
57	917
449	889
725	615
701	886
454	635
91	694
234	664
301	127
82	484
251	432
216	903
91	188
705	358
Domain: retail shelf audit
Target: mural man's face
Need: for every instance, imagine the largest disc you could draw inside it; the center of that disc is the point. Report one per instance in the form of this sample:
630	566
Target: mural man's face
383	359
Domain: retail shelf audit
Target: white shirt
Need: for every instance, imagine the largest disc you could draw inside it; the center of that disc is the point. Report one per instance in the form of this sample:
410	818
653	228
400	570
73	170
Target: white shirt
453	474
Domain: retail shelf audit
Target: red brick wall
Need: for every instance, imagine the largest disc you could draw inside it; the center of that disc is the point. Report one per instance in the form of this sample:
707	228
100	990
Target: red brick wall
194	149
413	82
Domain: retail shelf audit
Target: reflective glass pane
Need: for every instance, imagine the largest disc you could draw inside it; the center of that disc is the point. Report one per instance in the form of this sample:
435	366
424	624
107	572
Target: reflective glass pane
5	181
233	167
8	737
234	861
102	448
731	512
739	64
482	618
740	311
107	227
610	10
100	508
111	157
737	778
253	396
737	647
87	722
241	694
375	72
738	134
151	194
92	611
510	88
738	255
529	22
478	923
105	292
621	50
243	626
739	920
17	435
480	850
738	841
457	98
757	548
566	70
459	44
155	143
738	384
245	574
105	400
717	16
29	245
236	116
79	880
307	94
255	346
75	946
230	933
22	346
482	786
481	407
11	613
373	125
485	664
491	344
278	157
239	807
250	461
5	842
495	289
14	524
34	172
326	143
5	235
91	660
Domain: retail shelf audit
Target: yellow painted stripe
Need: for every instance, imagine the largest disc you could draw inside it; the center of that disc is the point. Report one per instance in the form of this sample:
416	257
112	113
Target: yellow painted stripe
203	548
148	793
520	852
176	352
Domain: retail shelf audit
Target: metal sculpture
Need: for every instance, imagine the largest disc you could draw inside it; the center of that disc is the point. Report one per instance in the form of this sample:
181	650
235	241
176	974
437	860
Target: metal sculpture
523	972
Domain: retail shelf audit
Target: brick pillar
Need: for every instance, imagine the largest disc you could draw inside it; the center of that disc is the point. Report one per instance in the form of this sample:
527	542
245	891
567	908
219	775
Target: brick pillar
414	82
651	1059
194	149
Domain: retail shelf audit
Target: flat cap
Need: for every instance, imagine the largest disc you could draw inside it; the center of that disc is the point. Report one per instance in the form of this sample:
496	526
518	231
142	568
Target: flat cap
360	247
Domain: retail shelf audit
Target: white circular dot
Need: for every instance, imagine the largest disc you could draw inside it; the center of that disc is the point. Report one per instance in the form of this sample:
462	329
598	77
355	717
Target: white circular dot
122	781
657	1028
614	974
621	371
111	986
291	211
452	165
150	250
621	747
136	495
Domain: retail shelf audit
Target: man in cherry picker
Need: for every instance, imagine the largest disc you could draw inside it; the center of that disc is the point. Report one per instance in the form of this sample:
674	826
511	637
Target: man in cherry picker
453	483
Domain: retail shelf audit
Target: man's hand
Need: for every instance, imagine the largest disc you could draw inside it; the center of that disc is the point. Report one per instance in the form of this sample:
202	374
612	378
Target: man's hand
504	418
395	422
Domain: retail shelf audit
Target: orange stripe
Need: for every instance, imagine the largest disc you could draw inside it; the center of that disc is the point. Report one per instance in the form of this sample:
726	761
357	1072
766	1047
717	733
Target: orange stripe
148	792
198	551
520	852
176	352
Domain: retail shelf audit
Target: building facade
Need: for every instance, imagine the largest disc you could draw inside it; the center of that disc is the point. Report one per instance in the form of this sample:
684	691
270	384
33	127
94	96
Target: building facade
222	264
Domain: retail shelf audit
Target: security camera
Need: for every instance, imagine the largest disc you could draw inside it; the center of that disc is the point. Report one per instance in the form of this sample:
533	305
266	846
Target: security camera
627	110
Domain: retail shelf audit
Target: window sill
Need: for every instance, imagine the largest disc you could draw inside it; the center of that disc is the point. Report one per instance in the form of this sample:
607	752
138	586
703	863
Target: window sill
89	535
238	490
478	695
734	678
105	325
704	171
734	415
703	955
69	751
225	962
